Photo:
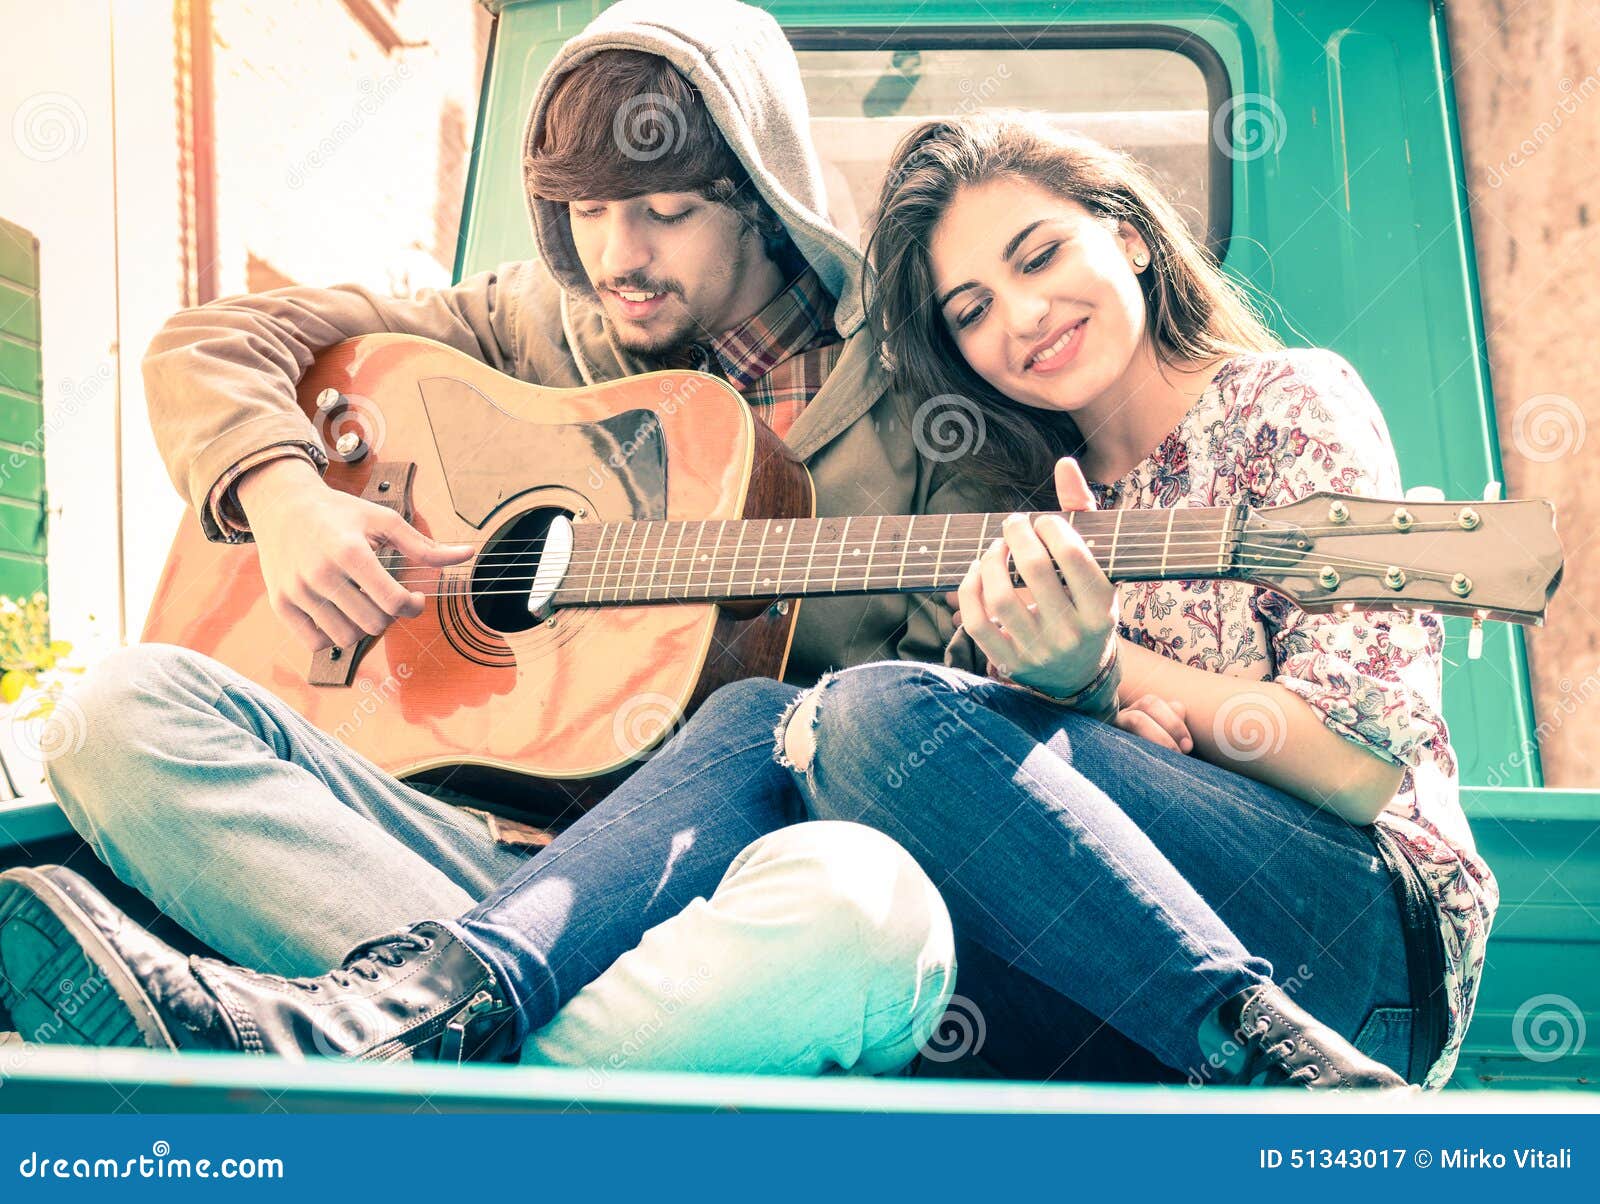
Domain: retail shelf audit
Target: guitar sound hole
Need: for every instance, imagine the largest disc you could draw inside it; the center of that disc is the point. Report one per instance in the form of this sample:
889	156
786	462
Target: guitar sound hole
504	572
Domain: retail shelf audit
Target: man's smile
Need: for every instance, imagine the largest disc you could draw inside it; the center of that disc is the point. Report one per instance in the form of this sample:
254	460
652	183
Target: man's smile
637	304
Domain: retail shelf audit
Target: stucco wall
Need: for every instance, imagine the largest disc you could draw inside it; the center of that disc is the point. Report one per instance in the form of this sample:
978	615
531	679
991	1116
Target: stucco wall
1527	77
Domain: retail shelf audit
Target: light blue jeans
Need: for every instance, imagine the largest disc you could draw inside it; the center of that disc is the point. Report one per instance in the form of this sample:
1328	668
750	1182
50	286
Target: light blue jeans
688	922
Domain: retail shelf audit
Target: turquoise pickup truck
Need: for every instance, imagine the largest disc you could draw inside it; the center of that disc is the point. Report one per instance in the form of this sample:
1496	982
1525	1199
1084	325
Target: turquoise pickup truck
1316	148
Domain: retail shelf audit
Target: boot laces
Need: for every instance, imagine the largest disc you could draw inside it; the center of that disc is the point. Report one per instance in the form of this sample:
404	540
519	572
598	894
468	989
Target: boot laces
364	961
1268	1063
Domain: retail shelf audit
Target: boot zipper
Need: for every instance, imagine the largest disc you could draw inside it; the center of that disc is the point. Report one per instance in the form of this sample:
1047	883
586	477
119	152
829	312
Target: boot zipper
451	1036
453	1045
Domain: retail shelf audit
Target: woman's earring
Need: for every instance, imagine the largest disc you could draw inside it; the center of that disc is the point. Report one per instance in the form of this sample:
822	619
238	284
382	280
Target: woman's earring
1140	259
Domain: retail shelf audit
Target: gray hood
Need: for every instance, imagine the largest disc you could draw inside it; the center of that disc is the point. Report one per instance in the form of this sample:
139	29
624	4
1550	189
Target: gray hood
747	73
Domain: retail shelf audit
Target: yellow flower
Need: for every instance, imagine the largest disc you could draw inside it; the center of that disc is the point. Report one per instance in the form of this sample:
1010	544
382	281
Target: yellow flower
14	682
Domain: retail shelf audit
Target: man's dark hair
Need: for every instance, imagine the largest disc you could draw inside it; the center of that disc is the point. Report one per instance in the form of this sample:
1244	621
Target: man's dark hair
624	123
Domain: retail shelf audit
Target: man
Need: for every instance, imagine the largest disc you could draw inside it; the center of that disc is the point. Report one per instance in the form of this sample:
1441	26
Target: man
705	247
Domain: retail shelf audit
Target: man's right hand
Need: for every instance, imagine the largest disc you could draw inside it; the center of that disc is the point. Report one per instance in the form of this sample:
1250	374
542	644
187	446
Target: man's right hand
319	554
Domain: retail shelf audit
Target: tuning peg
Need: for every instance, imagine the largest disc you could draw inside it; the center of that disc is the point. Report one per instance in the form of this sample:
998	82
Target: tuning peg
1493	491
1424	493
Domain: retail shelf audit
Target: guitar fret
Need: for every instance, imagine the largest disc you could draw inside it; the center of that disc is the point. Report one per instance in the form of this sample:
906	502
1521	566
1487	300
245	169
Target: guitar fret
677	553
640	562
755	573
1167	544
623	560
872	548
844	538
598	578
645	565
589	584
1222	544
655	569
616	590
711	569
737	544
694	559
783	562
1116	534
938	557
816	535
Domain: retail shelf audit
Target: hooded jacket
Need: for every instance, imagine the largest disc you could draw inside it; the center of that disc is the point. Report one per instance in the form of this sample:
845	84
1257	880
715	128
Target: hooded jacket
220	379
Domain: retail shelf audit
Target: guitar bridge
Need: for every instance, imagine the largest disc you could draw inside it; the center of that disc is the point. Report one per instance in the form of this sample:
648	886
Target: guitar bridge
389	485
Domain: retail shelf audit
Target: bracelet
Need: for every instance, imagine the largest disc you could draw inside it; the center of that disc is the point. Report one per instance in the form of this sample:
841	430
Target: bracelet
1086	699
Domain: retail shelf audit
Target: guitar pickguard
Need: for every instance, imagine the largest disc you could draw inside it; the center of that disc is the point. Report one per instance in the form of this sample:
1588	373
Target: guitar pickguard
490	456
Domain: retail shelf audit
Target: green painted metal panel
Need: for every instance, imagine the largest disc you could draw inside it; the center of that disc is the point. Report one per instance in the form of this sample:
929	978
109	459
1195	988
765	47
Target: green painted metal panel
21	474
22	529
54	1079
20	577
19	255
1347	212
1541	980
19	312
20	370
22	506
26	822
21	418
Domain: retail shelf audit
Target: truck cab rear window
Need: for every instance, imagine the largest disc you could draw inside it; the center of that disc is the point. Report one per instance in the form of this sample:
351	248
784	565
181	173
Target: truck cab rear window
1155	103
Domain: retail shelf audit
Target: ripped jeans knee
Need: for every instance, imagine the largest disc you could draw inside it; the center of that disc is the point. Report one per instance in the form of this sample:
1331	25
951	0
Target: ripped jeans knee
795	737
869	727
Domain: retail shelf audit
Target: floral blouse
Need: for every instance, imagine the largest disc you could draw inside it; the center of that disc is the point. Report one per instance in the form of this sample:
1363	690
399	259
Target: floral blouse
1269	429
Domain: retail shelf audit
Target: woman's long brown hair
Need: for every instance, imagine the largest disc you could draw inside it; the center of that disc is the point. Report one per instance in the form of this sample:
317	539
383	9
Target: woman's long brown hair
1195	312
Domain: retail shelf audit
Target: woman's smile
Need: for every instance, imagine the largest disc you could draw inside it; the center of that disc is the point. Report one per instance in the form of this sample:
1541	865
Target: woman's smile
1058	349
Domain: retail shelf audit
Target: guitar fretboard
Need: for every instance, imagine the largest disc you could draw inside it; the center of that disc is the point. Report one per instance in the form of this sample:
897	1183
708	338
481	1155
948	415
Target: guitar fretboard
711	560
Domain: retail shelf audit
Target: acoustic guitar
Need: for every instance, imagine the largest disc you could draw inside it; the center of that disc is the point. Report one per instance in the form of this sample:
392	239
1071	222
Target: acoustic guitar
642	542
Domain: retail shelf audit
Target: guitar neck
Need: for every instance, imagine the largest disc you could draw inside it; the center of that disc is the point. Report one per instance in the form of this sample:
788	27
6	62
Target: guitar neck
744	559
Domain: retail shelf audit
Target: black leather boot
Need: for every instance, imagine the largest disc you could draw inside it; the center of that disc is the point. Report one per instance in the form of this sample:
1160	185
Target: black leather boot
76	970
1286	1046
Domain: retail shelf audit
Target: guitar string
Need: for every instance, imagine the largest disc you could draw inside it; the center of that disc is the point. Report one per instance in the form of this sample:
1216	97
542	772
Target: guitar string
959	551
1336	530
643	577
1204	570
1400	599
751	559
1134	545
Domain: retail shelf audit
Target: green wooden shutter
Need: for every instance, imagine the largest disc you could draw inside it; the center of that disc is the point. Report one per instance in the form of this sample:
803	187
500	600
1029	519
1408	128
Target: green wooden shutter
22	498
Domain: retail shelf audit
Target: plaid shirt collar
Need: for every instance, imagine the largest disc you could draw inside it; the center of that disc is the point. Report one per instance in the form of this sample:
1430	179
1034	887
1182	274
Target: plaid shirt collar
796	319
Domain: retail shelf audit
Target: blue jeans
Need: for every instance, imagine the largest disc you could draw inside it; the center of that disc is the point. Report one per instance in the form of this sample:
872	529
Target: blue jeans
687	922
1111	892
665	835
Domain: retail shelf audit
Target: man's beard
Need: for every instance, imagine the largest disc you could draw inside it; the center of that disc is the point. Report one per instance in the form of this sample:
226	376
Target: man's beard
688	330
653	341
657	344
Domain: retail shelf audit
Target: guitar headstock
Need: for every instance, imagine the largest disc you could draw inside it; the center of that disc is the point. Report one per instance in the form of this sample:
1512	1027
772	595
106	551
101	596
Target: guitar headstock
1327	551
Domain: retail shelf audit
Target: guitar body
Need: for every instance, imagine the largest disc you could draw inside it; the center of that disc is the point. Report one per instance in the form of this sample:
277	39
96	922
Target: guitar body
475	693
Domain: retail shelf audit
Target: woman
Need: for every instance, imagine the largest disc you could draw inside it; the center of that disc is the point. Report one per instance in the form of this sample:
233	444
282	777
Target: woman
1279	804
